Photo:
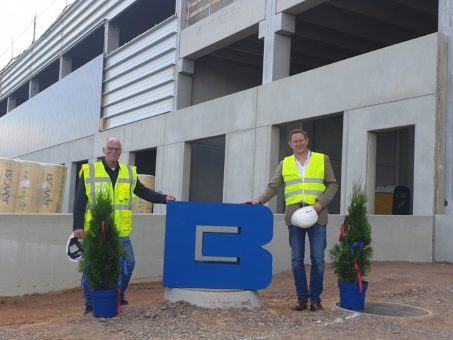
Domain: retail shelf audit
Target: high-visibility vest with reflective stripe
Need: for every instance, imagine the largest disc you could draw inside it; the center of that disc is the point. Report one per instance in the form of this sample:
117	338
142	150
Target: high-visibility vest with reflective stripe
310	187
97	179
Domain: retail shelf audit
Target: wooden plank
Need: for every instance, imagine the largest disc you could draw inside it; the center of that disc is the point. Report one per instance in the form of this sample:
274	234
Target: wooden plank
203	8
194	3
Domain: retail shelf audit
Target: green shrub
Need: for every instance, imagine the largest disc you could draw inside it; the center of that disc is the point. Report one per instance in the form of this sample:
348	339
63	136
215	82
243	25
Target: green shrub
102	249
356	244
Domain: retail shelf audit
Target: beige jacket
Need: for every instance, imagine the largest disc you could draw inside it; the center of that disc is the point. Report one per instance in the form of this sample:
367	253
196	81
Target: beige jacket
324	199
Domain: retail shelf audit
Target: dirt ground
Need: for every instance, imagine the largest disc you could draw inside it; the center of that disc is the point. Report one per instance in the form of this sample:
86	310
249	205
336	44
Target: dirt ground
59	315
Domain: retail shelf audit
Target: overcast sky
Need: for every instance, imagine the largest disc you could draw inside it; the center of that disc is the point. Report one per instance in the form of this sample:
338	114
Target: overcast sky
16	23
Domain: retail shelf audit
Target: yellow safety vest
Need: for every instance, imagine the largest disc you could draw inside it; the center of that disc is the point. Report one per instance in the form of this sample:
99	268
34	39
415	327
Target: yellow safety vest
310	187
122	195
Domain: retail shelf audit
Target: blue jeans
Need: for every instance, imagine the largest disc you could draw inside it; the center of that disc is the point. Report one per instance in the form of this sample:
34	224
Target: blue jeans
317	239
125	278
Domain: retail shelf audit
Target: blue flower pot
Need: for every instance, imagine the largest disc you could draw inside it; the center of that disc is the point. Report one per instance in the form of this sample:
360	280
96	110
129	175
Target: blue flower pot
105	303
350	296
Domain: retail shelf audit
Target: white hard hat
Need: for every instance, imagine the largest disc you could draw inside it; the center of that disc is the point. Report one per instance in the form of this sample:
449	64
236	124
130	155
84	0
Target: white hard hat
74	250
304	217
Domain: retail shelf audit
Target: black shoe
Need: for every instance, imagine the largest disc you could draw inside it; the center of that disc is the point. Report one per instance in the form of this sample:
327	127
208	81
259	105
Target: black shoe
300	305
88	309
124	302
314	307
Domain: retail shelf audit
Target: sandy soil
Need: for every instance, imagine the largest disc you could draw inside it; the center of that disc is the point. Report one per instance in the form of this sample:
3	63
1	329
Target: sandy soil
59	315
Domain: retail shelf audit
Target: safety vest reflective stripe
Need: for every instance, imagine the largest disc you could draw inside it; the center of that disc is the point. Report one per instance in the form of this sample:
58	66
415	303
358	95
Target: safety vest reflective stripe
92	181
123	180
122	206
305	180
116	206
301	192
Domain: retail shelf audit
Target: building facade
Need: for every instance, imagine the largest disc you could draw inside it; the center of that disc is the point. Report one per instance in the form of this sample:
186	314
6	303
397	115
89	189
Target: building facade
203	94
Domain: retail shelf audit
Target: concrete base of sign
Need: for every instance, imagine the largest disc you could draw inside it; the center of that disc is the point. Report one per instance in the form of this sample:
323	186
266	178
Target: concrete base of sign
215	298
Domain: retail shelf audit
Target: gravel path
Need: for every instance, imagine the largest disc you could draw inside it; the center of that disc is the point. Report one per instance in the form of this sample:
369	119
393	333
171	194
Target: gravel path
427	286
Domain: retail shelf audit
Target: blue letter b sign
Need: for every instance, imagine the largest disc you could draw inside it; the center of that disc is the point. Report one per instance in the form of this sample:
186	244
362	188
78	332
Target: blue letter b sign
217	245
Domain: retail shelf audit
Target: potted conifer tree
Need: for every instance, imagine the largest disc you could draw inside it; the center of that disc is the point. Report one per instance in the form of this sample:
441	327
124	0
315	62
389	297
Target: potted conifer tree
351	258
102	251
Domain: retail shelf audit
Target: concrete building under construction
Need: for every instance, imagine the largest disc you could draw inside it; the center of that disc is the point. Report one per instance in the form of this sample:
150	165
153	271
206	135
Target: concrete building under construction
203	94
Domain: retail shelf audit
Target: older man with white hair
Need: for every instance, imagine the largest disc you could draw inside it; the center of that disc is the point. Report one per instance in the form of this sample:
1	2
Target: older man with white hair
121	181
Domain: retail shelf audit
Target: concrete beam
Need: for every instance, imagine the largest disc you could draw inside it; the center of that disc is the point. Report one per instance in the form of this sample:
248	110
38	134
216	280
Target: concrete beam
356	25
335	38
222	28
387	11
33	88
297	6
65	66
10	103
111	37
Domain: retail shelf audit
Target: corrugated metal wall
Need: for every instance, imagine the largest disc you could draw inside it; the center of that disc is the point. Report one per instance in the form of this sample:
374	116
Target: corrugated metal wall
67	110
82	18
139	77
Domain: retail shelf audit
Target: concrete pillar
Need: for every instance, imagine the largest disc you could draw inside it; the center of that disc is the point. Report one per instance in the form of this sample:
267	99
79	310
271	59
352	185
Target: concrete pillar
371	171
266	160
10	103
185	67
127	158
33	88
238	181
111	37
65	66
184	77
69	190
173	172
344	163
276	31
181	13
445	26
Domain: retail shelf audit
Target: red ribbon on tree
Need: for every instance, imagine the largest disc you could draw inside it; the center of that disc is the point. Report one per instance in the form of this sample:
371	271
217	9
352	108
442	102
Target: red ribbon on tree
359	275
343	229
104	235
118	293
356	244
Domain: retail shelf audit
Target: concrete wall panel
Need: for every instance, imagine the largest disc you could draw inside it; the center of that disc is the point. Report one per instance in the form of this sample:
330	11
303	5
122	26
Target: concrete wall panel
33	260
144	134
224	115
81	149
397	72
420	112
148	239
402	238
443	238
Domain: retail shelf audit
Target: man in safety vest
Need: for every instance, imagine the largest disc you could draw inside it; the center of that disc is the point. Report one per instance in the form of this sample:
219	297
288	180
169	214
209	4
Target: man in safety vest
309	180
122	181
